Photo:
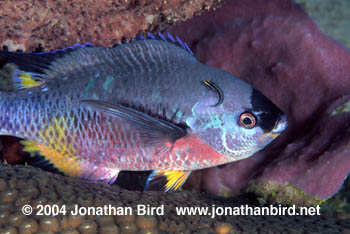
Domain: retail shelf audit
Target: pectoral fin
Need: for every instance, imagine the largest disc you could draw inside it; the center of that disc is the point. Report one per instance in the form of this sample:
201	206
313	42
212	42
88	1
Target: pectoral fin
153	131
168	180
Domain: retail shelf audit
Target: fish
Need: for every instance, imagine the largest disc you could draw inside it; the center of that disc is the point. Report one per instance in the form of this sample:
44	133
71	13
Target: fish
147	104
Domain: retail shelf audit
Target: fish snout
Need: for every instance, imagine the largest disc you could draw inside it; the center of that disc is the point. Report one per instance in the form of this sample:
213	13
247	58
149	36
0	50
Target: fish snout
281	125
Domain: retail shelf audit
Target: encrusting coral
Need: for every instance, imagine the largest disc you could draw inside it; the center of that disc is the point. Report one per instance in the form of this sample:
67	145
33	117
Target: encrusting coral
21	185
52	24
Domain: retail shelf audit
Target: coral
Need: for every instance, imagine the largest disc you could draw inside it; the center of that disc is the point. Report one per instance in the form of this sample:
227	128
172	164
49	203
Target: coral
22	185
340	202
278	49
29	25
275	193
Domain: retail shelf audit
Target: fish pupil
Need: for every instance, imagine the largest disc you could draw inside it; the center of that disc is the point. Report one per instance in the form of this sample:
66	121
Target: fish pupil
247	121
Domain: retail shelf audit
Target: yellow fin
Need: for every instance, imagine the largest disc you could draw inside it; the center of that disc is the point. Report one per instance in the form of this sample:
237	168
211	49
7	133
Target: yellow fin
171	180
65	163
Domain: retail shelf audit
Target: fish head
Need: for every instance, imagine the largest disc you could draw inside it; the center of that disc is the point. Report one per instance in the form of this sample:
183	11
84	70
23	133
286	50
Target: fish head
244	123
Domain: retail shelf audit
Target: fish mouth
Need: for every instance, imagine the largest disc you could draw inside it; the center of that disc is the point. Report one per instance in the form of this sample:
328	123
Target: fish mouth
280	126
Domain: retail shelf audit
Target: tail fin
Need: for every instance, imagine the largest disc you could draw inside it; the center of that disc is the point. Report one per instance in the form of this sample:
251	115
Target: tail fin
33	69
16	79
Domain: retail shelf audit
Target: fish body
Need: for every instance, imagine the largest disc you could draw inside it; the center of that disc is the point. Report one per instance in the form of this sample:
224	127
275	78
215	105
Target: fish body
145	105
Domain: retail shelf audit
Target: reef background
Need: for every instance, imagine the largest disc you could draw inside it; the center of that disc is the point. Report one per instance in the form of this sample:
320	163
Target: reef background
48	25
36	26
333	17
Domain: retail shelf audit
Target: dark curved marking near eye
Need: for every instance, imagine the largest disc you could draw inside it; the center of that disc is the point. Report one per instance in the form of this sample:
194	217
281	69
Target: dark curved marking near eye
216	88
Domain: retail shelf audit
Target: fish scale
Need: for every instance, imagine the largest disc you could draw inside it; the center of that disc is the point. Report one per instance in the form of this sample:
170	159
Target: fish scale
144	105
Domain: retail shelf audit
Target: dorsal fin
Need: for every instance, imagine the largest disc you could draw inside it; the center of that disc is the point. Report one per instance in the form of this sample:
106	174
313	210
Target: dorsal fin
34	69
177	41
159	36
37	63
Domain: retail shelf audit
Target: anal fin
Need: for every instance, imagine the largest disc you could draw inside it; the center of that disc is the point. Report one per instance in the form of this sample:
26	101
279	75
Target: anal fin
38	160
168	179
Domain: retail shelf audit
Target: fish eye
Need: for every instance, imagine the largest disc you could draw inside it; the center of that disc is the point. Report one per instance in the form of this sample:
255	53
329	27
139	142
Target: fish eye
247	120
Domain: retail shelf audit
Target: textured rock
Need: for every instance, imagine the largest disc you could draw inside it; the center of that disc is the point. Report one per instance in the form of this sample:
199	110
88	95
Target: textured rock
52	24
20	185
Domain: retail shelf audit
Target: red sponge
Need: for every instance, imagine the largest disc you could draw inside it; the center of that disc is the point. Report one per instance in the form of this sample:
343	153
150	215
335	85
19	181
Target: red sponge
276	47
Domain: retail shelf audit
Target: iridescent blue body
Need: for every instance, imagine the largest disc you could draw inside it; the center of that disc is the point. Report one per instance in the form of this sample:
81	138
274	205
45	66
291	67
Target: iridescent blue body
145	105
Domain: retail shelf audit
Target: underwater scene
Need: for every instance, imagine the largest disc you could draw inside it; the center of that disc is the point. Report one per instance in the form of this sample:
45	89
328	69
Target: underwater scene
174	116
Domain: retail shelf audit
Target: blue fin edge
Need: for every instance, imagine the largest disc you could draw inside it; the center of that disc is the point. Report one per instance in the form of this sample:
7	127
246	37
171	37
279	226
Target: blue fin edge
159	36
39	61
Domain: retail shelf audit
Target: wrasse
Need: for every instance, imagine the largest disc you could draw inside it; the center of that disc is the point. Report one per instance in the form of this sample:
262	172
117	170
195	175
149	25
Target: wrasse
149	104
